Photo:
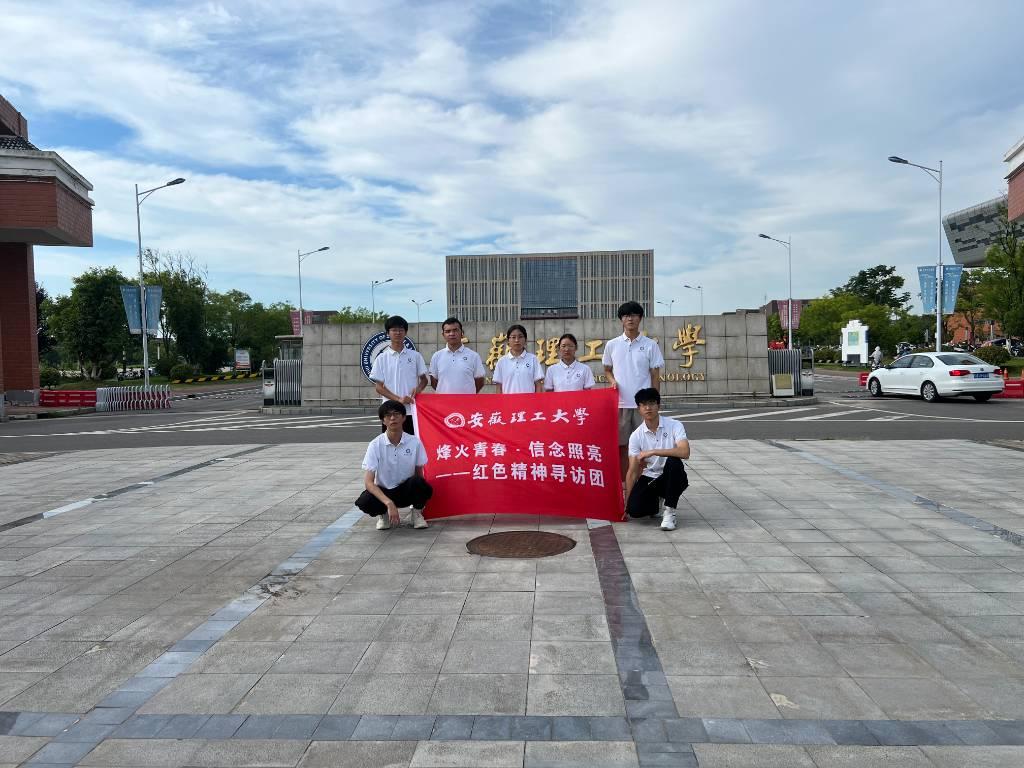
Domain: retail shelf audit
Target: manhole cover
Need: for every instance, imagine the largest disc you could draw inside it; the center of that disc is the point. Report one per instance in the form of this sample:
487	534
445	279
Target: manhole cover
520	544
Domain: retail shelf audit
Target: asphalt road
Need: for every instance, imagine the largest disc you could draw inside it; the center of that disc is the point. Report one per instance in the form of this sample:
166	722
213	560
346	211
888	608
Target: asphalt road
231	416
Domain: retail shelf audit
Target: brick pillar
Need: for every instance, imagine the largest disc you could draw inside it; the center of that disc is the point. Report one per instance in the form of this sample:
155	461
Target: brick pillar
19	350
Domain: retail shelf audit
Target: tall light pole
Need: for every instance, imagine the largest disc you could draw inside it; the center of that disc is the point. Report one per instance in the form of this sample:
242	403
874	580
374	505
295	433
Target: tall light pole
418	305
699	289
301	256
936	174
668	304
373	303
789	250
140	198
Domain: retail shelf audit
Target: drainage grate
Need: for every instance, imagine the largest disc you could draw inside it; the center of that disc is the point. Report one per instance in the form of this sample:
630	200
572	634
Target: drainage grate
520	544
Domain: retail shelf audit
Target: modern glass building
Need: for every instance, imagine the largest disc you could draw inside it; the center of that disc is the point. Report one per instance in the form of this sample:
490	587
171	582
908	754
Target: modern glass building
532	286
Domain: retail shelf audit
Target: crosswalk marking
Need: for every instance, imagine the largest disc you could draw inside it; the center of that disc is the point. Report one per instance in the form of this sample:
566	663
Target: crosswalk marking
767	412
826	415
684	415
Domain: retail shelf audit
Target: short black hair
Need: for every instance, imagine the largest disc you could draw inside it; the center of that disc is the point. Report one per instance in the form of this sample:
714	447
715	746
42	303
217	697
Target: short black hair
390	406
570	337
648	395
396	321
519	328
452	321
630	308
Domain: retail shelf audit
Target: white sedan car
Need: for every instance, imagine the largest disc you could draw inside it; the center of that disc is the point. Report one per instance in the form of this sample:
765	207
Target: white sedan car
937	374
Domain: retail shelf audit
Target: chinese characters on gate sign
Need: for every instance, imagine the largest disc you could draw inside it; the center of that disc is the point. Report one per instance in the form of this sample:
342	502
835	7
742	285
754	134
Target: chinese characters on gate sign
572	462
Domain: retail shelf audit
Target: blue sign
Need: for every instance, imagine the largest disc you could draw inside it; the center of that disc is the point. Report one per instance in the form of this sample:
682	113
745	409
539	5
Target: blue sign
373	347
154	297
927	277
950	286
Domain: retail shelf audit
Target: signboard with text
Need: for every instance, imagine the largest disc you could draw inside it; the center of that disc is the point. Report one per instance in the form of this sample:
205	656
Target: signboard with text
552	453
132	303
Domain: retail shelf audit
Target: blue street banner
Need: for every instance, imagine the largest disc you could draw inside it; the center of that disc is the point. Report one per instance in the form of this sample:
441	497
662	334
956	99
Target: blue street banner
154	297
926	275
950	286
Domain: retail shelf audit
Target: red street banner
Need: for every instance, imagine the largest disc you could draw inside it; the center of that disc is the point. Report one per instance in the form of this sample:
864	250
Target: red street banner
552	453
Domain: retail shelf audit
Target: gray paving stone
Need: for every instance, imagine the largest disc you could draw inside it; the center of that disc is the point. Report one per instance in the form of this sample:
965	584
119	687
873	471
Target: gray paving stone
413	728
219	726
975	757
721	731
453	727
257	727
182	726
685	729
358	754
62	753
236	753
608	754
468	754
571	728
748	756
297	726
335	727
869	757
492	727
374	728
531	728
574	695
462	694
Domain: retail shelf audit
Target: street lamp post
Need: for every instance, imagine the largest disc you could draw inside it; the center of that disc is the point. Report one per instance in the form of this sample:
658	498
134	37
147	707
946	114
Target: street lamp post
936	174
373	303
301	256
668	304
789	250
418	305
699	289
140	198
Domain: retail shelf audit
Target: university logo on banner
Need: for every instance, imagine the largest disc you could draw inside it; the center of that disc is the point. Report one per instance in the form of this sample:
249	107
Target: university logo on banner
552	453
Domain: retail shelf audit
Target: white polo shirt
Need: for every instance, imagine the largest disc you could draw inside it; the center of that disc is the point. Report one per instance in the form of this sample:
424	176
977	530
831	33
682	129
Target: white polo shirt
456	371
399	371
669	433
392	464
568	378
518	375
631	363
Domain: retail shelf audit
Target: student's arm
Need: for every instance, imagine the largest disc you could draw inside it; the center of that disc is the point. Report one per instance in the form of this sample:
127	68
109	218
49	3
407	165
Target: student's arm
480	375
633	473
480	380
419	471
385	392
423	382
680	451
611	378
656	379
374	489
538	385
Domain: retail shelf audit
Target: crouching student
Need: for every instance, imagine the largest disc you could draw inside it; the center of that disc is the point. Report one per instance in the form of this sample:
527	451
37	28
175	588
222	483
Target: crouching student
656	452
394	464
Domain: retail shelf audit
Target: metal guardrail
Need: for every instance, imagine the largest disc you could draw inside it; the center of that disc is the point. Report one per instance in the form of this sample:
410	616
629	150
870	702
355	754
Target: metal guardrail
287	382
786	361
133	398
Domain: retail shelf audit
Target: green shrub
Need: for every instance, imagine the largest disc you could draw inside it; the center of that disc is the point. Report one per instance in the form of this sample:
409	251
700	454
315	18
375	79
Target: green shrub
49	377
993	355
164	364
181	371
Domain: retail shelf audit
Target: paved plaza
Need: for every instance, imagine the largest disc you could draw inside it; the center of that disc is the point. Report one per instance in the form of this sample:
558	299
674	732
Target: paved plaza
822	604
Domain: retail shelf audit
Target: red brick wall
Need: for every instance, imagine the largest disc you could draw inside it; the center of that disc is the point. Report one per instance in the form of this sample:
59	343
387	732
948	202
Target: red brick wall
74	216
28	204
45	204
12	119
1016	204
19	352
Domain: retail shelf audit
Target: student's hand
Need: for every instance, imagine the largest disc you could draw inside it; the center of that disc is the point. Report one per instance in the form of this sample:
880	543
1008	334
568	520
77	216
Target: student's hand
408	400
393	515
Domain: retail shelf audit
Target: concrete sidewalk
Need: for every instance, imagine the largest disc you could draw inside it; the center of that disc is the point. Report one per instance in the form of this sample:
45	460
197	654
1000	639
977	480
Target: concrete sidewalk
822	604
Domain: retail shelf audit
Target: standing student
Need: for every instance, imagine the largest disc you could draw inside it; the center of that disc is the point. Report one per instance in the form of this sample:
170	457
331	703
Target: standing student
656	452
399	373
393	467
568	374
631	362
456	370
518	371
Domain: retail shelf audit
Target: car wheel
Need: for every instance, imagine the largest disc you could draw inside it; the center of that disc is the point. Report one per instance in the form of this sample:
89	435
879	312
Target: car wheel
983	398
875	388
929	392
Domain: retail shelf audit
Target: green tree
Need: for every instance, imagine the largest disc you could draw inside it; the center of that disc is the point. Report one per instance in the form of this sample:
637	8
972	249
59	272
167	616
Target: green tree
775	332
183	314
89	324
878	285
822	319
358	315
1002	284
969	303
44	337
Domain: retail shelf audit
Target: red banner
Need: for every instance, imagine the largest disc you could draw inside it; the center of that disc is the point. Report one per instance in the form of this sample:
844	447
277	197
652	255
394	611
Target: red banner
553	453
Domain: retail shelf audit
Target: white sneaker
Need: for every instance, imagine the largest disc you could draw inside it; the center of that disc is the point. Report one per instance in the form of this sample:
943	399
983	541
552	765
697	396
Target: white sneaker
383	522
668	519
417	519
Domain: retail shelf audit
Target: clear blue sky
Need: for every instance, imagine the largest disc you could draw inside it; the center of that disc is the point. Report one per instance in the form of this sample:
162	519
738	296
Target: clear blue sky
396	132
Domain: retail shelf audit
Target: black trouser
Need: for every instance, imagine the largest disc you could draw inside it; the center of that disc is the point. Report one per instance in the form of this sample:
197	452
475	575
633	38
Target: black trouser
407	426
414	492
669	485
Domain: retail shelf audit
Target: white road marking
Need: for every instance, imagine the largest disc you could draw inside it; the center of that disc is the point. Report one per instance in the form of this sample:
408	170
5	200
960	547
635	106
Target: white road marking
686	415
766	412
825	415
